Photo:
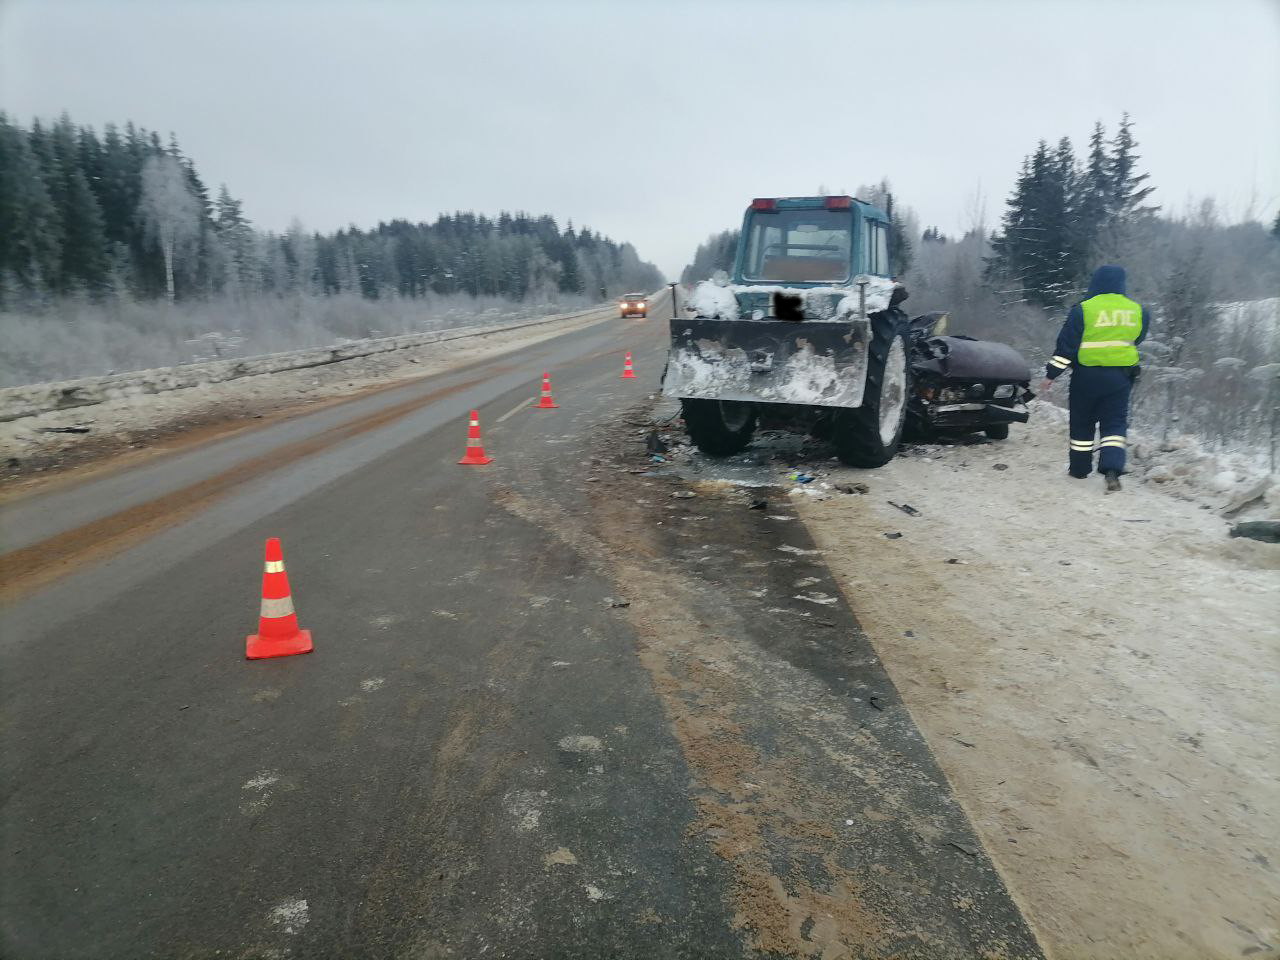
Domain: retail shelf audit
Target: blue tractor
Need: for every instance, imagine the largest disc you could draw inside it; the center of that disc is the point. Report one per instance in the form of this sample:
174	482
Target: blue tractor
808	320
809	330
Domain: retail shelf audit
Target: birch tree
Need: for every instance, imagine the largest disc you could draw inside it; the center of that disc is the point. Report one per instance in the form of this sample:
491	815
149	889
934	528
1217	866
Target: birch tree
169	211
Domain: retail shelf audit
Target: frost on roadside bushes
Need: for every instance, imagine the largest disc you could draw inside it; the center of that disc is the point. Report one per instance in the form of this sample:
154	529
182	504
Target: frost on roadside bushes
75	337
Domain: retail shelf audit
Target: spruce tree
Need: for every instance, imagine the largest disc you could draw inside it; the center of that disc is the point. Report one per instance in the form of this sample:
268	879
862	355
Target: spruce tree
1128	195
1094	194
30	241
236	236
901	250
84	244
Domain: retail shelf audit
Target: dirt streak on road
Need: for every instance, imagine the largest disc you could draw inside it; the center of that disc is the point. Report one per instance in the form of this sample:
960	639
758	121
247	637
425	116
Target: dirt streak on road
808	776
33	566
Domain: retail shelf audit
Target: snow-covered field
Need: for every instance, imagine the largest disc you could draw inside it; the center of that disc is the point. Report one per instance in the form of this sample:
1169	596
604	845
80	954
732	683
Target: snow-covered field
1096	674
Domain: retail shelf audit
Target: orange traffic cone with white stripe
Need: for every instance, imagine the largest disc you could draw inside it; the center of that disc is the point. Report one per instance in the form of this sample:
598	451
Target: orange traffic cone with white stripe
627	372
278	634
546	403
474	457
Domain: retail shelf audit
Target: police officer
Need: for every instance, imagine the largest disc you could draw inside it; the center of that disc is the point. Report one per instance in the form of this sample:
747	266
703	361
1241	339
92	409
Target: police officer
1099	343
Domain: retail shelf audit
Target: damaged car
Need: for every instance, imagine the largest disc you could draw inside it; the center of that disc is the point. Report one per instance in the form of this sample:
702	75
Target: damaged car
961	385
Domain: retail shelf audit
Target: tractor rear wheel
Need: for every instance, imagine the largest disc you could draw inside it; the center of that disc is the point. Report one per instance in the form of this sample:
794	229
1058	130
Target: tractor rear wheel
719	428
869	435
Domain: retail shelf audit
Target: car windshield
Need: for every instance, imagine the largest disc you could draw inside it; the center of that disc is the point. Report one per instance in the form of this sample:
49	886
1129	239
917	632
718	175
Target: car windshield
634	296
799	246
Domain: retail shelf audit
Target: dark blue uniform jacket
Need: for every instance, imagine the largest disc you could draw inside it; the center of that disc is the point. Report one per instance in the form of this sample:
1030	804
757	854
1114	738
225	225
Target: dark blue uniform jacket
1108	279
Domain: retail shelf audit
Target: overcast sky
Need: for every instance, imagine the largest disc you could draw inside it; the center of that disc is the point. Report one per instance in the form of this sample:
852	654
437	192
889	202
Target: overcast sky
655	121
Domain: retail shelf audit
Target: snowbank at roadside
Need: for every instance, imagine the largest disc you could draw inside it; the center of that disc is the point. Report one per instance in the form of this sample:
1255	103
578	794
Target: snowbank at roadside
1183	468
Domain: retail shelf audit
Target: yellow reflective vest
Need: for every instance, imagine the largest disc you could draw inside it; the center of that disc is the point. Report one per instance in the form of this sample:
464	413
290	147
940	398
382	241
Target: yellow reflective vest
1112	325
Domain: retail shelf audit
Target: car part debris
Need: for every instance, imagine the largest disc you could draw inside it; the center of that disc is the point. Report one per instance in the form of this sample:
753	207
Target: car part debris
999	466
906	508
759	505
893	536
654	443
683	494
1267	531
62	429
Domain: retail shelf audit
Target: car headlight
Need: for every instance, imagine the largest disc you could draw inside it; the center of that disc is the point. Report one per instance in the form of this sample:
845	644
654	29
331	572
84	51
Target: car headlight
1003	392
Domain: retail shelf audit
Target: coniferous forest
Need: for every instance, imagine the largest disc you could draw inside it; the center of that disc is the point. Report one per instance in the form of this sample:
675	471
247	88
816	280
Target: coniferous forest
113	239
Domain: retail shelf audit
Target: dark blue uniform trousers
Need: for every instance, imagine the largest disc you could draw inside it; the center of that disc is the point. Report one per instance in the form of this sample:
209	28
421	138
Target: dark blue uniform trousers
1099	402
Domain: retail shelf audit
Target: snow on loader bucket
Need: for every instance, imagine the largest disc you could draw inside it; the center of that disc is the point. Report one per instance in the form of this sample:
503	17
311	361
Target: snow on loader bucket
815	363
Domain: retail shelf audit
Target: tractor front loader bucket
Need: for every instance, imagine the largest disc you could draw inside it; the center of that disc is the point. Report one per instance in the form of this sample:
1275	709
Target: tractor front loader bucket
809	362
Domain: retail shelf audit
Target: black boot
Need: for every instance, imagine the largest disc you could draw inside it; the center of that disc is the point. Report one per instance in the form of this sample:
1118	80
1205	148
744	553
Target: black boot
1113	480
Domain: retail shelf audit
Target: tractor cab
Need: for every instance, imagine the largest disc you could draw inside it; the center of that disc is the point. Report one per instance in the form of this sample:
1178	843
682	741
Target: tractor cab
803	241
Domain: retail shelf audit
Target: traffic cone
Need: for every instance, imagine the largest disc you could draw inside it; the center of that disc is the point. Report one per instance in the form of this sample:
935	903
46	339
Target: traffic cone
278	634
474	457
627	372
546	403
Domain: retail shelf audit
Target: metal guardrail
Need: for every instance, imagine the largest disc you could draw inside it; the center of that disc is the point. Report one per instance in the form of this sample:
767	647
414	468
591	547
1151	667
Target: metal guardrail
33	399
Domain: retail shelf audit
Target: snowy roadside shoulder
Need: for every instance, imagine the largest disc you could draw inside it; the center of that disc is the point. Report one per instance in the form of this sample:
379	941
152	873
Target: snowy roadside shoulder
1095	673
36	445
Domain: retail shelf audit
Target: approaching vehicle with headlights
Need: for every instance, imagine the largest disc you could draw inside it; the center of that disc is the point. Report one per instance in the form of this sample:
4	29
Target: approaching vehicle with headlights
962	385
634	305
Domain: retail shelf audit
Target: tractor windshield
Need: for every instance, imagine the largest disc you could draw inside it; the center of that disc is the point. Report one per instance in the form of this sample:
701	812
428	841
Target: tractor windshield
799	246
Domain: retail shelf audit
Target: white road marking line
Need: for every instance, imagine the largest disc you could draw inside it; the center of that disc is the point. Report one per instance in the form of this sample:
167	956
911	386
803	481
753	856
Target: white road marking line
514	410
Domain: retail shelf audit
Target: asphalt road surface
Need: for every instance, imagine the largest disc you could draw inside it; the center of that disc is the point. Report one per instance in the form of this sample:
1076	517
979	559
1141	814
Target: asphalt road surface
552	711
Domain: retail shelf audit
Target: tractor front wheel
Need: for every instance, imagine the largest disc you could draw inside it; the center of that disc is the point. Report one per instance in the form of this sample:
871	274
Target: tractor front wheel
869	435
719	428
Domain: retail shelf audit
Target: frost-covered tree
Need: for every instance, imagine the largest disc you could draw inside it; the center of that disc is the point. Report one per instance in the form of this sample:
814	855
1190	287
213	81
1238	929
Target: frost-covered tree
170	211
714	253
235	234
